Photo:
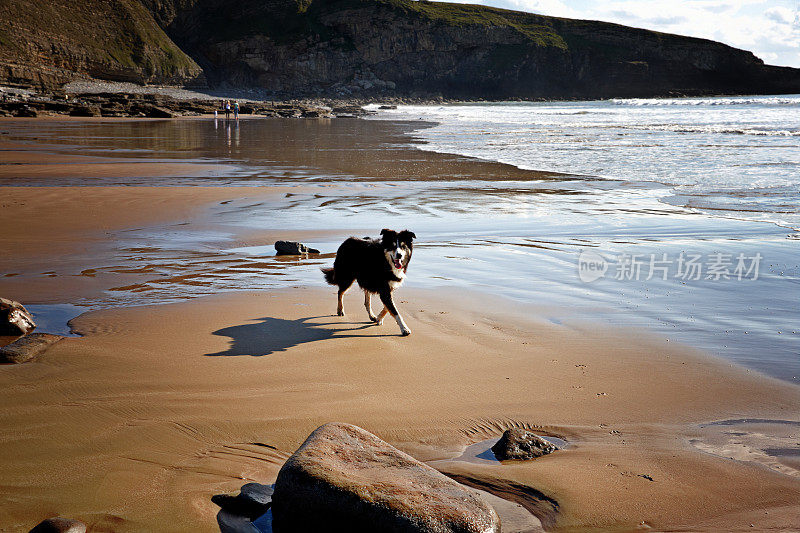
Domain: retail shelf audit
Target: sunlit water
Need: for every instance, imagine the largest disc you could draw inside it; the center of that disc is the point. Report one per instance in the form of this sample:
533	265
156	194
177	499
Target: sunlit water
480	226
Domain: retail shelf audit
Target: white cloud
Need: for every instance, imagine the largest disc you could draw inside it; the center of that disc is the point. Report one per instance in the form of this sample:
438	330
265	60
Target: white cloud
780	15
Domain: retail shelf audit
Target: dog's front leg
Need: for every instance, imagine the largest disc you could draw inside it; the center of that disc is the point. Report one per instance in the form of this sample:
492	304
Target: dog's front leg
386	298
368	305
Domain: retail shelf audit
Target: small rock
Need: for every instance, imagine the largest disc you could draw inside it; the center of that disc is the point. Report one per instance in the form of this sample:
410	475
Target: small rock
388	107
59	525
85	111
252	501
154	111
315	113
293	248
345	479
14	318
233	523
521	445
257	493
26	112
28	347
352	110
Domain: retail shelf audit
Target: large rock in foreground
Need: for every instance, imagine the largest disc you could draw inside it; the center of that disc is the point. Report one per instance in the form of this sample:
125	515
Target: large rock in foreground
59	525
24	349
521	445
344	478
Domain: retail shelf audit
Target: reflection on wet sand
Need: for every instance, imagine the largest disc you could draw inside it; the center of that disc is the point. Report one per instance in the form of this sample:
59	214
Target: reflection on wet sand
518	233
262	151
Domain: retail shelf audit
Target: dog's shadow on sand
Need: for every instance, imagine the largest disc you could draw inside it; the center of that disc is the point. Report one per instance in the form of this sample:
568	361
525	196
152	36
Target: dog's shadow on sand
270	334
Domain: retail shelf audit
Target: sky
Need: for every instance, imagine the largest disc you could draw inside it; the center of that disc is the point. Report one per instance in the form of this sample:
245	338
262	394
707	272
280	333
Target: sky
768	28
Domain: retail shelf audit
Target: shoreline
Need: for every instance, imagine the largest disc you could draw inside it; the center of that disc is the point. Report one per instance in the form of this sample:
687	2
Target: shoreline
184	92
84	99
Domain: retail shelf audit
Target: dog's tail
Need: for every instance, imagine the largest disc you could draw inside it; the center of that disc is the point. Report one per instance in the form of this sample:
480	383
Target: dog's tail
330	275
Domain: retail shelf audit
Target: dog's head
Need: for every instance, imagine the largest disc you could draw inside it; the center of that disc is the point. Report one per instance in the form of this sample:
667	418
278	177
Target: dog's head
397	246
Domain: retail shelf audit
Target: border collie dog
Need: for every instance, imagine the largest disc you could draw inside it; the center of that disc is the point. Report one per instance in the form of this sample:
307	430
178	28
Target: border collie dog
379	266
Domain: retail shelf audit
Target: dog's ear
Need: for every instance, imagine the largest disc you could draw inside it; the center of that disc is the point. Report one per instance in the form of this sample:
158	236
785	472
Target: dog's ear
406	235
388	234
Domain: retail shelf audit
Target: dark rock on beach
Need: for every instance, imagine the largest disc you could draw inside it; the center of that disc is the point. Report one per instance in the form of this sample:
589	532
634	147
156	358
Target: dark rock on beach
156	105
293	248
28	347
26	112
154	111
252	501
520	444
257	494
59	525
14	318
343	478
234	523
85	111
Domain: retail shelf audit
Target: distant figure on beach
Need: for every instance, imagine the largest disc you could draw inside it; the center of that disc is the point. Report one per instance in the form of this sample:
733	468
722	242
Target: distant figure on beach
236	110
227	109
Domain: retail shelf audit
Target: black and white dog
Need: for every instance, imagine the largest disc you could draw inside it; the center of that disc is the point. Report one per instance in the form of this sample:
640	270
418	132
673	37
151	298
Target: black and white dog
379	266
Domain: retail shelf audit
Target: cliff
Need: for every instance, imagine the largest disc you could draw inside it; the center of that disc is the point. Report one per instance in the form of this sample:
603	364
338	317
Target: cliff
394	47
456	50
49	43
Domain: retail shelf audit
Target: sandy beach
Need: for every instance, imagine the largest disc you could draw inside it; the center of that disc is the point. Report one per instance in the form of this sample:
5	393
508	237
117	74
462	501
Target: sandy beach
135	425
158	408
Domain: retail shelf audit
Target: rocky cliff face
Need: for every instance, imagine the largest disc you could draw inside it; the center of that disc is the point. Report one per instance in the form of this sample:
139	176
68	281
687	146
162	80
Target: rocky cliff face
405	47
48	43
397	47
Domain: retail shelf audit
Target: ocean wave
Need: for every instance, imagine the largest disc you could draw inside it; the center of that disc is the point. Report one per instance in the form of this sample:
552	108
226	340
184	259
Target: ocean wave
769	101
683	128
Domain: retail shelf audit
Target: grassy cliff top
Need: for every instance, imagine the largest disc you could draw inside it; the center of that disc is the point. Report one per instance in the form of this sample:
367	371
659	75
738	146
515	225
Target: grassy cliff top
119	33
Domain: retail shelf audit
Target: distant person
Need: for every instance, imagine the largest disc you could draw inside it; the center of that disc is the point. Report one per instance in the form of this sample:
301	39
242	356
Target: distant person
236	110
227	109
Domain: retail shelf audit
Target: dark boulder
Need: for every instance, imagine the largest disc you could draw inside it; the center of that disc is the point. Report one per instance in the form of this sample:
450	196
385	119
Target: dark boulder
26	112
252	501
26	348
343	478
520	444
154	111
349	110
14	318
293	248
85	111
59	525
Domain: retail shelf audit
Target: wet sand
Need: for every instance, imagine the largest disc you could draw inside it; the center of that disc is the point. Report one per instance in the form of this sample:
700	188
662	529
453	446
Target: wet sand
156	408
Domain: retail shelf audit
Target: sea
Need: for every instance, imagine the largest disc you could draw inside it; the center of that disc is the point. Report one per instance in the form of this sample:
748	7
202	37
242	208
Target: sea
677	217
736	157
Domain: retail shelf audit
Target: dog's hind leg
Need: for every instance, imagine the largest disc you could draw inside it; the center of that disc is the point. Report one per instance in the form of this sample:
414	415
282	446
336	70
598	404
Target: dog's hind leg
379	318
386	298
342	289
368	305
